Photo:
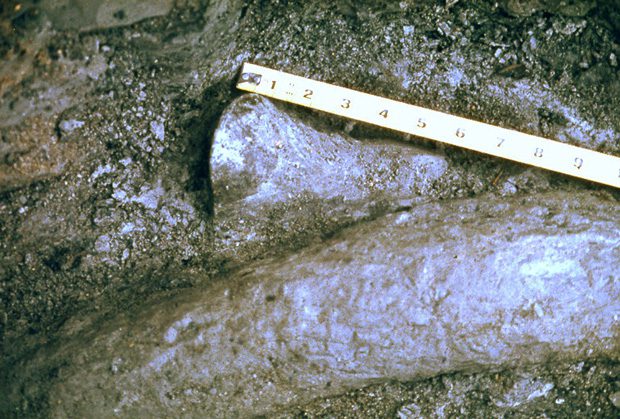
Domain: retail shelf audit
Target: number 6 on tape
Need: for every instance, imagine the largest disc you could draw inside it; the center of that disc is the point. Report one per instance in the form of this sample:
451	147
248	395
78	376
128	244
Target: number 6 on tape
439	126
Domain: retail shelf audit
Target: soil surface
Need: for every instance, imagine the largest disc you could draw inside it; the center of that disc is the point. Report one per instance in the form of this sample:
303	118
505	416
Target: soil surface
132	174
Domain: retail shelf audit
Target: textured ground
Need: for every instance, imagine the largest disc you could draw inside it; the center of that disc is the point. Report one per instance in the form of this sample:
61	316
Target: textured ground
129	165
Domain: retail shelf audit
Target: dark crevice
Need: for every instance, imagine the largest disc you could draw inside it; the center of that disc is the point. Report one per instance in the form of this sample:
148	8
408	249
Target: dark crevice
200	130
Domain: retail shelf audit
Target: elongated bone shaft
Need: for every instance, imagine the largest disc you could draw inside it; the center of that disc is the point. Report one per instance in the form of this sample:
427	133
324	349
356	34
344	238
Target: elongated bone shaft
461	286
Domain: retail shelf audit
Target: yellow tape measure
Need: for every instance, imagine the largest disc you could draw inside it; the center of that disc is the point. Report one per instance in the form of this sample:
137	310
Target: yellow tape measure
439	126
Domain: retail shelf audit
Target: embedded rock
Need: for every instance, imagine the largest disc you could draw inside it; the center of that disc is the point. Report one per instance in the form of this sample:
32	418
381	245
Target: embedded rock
108	112
89	14
463	286
96	122
276	177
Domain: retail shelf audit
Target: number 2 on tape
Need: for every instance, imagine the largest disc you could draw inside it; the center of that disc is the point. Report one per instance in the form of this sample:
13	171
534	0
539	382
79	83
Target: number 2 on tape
467	133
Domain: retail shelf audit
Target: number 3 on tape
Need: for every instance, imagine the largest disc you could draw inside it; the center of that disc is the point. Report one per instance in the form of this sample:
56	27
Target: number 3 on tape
427	123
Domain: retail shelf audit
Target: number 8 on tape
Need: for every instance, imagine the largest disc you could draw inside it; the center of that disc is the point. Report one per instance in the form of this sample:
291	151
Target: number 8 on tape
427	123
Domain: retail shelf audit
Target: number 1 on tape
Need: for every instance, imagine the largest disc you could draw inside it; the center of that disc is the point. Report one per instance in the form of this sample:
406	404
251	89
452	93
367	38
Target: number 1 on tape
427	123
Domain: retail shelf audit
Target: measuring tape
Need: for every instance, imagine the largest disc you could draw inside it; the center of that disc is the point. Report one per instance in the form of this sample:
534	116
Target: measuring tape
439	126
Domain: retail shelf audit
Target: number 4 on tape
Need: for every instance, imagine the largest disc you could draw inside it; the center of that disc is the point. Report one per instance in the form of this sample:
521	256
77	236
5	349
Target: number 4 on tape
427	123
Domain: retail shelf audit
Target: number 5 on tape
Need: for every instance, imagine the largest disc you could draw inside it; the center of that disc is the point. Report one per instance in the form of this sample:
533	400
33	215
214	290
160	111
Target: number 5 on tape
439	126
